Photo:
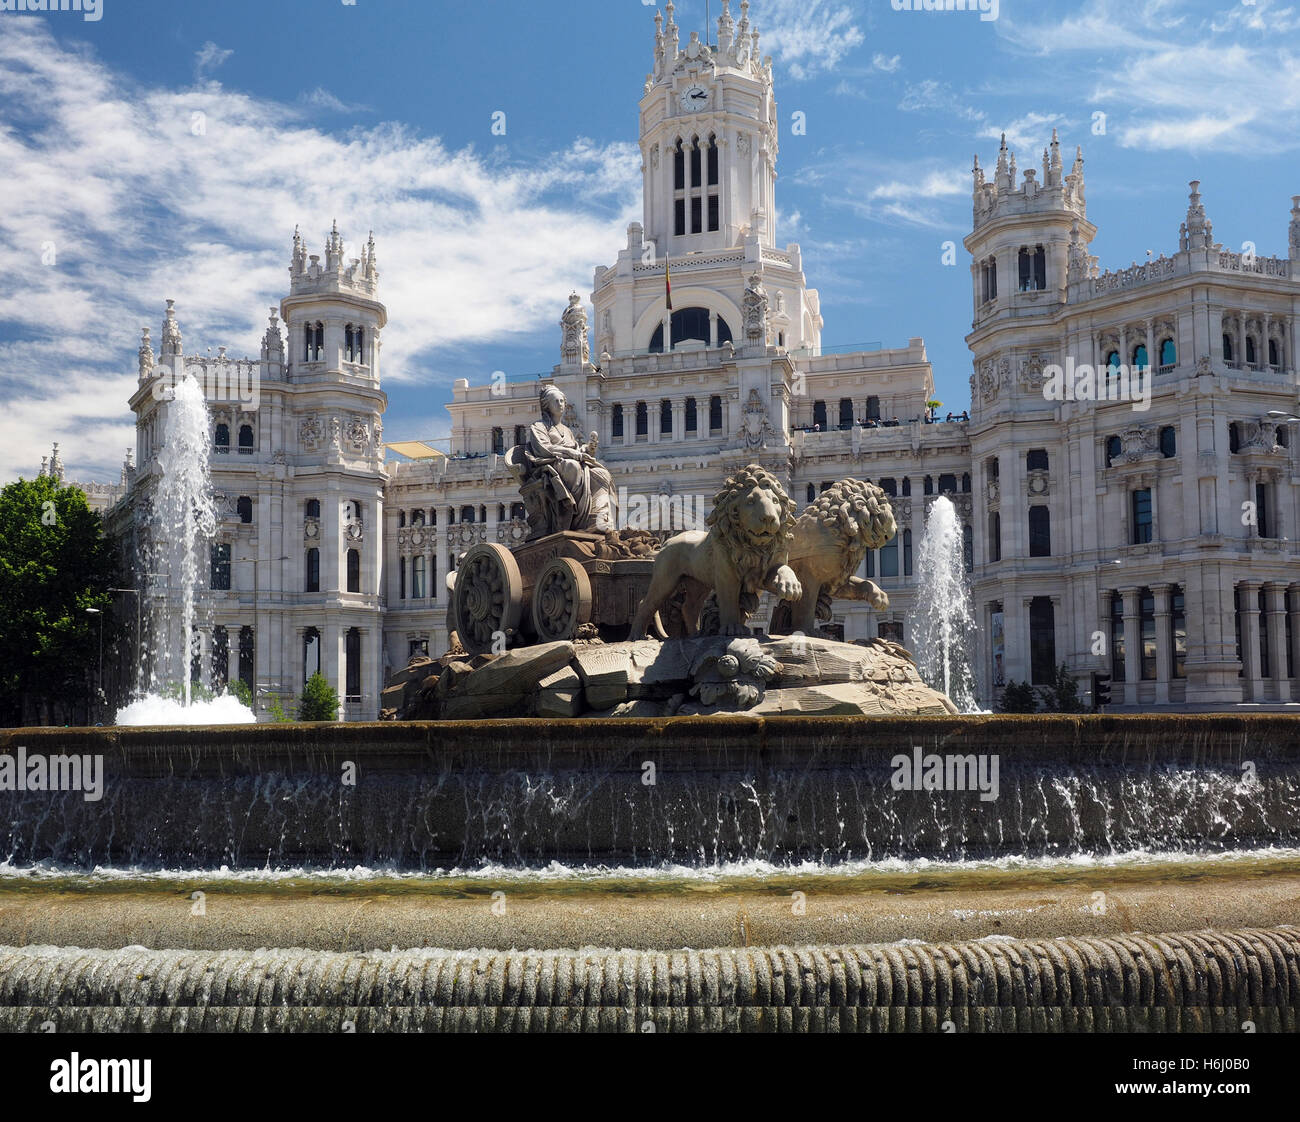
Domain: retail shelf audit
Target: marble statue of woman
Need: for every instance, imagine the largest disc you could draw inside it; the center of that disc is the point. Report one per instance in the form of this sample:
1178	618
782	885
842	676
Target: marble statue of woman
575	485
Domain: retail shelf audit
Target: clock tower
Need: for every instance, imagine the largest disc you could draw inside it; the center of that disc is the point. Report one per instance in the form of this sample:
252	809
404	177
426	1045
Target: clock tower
708	138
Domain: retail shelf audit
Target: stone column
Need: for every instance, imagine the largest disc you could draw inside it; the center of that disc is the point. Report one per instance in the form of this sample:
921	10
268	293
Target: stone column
1132	646
668	332
1252	680
1151	343
679	419
1294	590
1275	594
1164	646
1241	340
1267	326
713	329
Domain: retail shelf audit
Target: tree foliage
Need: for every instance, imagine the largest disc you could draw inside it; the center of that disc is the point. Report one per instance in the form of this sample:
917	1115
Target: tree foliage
320	701
55	563
1018	697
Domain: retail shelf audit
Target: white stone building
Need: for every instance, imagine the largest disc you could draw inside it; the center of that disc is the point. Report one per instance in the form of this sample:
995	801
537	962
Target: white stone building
1100	536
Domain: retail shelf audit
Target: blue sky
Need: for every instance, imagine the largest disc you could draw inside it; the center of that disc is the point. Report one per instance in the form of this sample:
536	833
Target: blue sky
379	114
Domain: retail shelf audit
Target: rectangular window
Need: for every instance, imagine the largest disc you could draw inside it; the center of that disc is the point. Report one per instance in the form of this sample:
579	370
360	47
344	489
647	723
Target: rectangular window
352	656
692	423
642	419
871	563
401	578
889	558
1147	620
1042	640
696	177
1036	460
219	578
907	553
1262	526
1141	516
679	217
246	650
713	213
715	413
696	209
1117	638
665	418
1178	631
616	424
1040	532
313	570
713	164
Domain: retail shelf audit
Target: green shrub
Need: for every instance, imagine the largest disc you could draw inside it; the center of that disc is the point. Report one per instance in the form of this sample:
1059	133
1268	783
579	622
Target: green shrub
320	701
239	688
1018	697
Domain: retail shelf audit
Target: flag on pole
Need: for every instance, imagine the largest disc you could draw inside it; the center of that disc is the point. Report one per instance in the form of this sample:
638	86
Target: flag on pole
668	284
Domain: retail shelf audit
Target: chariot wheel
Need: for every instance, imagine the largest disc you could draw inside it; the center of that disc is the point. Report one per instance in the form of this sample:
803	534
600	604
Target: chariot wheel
561	600
488	598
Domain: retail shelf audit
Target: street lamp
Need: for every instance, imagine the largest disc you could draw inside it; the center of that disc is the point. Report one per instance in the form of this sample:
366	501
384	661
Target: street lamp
99	681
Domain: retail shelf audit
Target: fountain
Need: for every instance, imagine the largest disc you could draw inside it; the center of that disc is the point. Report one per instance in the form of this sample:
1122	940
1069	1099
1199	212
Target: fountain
942	623
182	524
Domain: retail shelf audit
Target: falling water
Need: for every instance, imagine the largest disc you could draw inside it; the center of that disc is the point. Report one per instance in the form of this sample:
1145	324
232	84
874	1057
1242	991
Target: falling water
942	624
183	521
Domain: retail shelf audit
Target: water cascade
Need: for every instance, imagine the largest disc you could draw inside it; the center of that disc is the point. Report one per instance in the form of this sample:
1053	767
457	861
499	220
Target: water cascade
942	623
182	524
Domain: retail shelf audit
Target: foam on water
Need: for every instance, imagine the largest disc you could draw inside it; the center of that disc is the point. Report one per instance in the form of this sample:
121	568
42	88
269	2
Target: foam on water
155	710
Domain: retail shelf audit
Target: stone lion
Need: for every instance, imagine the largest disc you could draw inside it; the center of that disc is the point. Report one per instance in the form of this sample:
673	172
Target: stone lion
831	538
742	554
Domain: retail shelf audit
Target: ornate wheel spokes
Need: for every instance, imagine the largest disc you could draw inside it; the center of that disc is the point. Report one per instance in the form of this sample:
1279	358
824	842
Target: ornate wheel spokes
561	600
488	597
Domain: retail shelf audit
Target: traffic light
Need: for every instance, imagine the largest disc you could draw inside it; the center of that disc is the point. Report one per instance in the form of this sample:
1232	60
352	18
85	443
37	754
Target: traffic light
1100	690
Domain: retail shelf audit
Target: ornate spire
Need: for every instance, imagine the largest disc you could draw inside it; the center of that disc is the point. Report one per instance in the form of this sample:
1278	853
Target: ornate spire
372	262
272	340
1055	166
334	250
1199	228
171	333
146	354
1294	239
726	27
977	173
56	465
298	262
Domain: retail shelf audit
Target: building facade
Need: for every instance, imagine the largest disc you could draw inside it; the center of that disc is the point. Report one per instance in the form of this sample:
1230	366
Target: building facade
1148	539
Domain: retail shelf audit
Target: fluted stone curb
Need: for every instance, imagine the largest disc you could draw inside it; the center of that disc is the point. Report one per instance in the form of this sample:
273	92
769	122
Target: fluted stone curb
1204	981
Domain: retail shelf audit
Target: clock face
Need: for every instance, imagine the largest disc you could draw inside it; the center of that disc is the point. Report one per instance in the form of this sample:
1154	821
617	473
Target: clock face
694	98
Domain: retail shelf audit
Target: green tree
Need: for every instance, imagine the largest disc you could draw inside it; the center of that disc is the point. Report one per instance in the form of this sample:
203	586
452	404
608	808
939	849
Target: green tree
239	688
320	701
1062	696
1018	697
55	563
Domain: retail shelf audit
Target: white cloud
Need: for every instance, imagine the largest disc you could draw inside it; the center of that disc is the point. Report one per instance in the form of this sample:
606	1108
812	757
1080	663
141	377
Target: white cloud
472	248
321	98
807	36
886	63
208	58
1027	135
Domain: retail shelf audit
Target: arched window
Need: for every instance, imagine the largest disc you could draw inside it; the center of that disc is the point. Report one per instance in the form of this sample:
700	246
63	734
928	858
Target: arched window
521	434
1040	532
401	518
1033	269
467	514
1234	437
359	346
1140	357
1168	353
517	511
890	487
907	486
1168	442
1273	358
1227	348
642	419
246	658
311	509
347	344
665	418
715	413
314	342
401	578
221	440
928	486
990	278
308	339
313	570
1113	449
417	517
965	483
687	324
1112	364
354	570
679	188
498	440
244	508
692	420
948	483
616	422
245	440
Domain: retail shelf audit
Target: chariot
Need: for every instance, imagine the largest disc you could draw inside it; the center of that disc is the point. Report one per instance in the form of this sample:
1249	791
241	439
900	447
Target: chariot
551	589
